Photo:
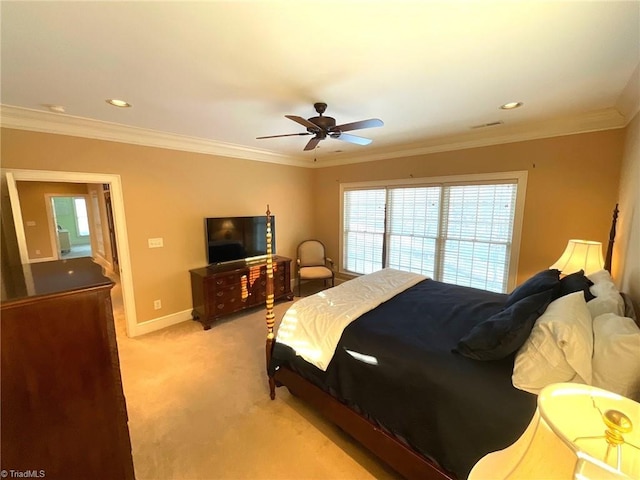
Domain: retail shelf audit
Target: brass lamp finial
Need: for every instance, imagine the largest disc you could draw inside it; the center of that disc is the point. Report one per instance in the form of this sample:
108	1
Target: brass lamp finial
617	423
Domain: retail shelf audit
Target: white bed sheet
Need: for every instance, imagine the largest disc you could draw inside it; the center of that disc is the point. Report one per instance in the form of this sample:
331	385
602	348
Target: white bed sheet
313	325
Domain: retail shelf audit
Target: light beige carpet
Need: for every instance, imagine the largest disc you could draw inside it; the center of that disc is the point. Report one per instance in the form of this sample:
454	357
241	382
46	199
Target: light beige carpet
199	408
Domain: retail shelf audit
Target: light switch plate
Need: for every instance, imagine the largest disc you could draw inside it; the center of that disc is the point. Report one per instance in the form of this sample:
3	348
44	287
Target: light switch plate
156	243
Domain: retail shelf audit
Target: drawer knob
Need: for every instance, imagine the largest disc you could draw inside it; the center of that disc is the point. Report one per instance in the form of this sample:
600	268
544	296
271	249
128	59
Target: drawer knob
220	306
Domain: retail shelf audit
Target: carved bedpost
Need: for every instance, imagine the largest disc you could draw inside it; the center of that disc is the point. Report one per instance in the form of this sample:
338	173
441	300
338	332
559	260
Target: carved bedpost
612	236
269	303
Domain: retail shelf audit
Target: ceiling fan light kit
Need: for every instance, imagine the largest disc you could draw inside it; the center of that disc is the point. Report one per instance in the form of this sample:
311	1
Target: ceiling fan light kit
322	127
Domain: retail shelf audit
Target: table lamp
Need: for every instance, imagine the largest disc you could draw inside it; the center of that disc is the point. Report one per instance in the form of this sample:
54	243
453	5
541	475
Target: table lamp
580	255
578	432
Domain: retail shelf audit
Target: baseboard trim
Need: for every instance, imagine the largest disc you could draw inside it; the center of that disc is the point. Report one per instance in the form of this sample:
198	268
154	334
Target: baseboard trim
159	323
42	259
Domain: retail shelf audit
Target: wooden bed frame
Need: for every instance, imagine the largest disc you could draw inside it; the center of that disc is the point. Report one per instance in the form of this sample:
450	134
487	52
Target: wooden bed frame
385	446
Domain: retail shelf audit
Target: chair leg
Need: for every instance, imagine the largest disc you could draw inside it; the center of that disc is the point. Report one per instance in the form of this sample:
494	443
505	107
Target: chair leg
298	285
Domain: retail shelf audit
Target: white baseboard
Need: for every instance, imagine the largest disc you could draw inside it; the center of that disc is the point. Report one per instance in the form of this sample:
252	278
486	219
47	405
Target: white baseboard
43	259
161	322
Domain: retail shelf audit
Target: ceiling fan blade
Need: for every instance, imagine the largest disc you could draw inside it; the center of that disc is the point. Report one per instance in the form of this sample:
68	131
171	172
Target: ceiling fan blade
312	143
285	135
352	139
303	121
372	122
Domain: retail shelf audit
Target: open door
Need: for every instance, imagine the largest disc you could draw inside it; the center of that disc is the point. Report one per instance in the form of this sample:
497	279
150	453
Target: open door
111	227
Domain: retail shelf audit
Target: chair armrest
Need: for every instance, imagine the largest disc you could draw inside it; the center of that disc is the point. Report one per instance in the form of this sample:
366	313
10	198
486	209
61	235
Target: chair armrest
330	261
298	261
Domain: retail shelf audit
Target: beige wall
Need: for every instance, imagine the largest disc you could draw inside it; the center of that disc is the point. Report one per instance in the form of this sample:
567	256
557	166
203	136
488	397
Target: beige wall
33	203
167	194
626	259
572	188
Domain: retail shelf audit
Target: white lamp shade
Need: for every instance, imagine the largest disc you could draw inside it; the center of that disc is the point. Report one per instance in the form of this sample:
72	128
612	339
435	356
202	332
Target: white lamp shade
580	255
566	439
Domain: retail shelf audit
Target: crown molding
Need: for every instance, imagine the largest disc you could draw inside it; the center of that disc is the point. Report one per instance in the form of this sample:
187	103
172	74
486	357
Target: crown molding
47	122
629	100
606	119
61	124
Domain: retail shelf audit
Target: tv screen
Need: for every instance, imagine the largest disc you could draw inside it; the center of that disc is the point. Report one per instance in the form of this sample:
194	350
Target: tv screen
237	238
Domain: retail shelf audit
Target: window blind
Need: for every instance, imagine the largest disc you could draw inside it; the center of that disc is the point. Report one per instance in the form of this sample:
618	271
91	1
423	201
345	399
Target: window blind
413	229
363	230
453	232
477	227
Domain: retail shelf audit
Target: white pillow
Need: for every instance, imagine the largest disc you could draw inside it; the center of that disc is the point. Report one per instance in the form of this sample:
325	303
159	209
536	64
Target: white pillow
559	348
616	355
608	298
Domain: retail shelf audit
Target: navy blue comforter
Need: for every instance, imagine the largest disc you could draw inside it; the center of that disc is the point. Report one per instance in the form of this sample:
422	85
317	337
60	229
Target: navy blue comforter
395	365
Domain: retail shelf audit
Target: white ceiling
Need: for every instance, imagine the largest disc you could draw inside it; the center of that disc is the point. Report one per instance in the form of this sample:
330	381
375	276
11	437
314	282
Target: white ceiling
227	72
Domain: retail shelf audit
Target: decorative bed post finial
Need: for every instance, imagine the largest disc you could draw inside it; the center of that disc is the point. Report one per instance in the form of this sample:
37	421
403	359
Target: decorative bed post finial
270	317
612	236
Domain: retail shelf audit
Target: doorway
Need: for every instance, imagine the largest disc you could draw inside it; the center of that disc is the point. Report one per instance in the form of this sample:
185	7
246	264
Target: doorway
120	225
71	226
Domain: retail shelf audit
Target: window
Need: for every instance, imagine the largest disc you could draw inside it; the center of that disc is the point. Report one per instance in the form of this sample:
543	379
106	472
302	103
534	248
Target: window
462	230
82	218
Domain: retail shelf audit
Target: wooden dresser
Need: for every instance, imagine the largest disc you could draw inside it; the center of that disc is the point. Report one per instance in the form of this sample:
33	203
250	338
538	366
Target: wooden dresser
219	290
63	408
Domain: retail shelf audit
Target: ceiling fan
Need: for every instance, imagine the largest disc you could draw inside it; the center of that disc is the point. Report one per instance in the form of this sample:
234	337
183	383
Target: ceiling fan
322	127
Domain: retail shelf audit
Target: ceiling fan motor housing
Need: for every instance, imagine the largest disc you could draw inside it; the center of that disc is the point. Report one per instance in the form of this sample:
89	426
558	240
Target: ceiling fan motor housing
324	123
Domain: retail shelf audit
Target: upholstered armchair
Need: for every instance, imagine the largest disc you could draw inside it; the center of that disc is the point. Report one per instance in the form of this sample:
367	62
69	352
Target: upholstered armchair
313	264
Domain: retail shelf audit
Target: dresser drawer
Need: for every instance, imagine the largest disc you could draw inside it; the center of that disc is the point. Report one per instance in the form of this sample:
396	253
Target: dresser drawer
231	278
227	300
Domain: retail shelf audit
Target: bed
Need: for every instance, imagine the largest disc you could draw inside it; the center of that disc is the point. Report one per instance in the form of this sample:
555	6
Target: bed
421	373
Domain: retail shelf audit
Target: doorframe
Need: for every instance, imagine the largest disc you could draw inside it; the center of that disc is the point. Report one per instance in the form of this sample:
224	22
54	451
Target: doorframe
51	217
117	201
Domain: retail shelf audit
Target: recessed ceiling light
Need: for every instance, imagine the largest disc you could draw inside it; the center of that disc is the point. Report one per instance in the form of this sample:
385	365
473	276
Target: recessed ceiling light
118	103
511	105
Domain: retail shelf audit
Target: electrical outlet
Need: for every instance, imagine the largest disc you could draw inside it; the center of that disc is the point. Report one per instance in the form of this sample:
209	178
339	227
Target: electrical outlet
157	304
37	252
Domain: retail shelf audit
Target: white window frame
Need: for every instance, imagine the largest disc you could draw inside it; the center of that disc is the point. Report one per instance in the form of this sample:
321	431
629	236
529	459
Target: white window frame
520	177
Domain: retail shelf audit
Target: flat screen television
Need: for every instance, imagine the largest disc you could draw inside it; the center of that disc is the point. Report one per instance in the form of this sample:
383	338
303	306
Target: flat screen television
237	238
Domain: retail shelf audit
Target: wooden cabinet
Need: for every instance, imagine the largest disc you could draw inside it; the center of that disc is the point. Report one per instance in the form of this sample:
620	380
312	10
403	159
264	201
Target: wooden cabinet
65	241
63	408
220	290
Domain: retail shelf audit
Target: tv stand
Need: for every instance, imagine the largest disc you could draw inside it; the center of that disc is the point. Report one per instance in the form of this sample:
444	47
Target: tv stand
219	290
